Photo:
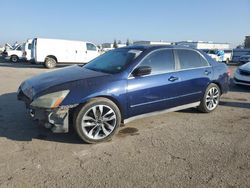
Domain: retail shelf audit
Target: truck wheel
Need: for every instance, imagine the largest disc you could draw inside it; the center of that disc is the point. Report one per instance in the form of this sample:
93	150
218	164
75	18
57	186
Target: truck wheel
97	121
14	58
210	99
50	62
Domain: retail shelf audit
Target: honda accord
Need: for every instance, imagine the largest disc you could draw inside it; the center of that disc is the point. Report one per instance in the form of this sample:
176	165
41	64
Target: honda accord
122	85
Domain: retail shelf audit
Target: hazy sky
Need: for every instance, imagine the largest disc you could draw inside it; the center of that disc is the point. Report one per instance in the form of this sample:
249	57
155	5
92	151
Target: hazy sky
105	20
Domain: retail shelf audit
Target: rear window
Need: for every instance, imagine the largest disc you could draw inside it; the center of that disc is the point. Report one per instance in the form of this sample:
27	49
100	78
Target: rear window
190	59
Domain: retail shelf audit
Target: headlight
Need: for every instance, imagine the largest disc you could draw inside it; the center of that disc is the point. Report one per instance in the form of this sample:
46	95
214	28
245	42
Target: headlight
51	100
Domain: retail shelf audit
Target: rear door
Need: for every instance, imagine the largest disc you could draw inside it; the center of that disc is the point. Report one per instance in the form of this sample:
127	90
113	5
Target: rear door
156	91
195	74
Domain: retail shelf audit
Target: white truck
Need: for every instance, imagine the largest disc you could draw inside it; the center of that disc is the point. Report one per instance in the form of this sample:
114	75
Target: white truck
51	52
14	55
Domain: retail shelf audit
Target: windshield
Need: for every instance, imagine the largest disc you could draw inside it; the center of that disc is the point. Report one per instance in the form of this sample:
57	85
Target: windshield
113	61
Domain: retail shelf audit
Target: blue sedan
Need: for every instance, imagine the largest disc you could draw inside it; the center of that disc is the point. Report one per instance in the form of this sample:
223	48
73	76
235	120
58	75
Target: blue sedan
122	85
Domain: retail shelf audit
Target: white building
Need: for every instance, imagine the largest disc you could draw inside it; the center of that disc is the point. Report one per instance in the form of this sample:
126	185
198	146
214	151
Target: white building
110	46
151	43
205	45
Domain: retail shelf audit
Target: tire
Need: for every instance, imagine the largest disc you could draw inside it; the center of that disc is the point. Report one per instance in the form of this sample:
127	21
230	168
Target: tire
50	62
14	59
99	126
211	99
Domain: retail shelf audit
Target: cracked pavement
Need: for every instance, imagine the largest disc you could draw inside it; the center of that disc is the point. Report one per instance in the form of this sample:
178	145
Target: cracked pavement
179	149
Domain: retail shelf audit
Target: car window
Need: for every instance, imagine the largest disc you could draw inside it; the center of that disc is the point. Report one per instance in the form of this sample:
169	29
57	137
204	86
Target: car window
91	47
29	46
161	61
19	48
190	59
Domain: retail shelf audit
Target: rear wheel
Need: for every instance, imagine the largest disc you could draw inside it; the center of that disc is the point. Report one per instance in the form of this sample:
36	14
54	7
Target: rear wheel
14	58
97	121
50	62
211	99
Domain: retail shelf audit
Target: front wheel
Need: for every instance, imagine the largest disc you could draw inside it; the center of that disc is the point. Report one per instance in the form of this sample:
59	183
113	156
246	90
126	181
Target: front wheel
97	121
14	59
211	99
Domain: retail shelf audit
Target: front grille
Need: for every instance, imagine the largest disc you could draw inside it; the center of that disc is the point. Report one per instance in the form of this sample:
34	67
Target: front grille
244	73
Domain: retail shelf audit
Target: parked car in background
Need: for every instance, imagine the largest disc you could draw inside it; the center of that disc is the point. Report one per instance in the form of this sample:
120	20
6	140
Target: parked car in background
51	52
212	54
14	55
245	58
238	53
242	75
227	57
27	46
122	85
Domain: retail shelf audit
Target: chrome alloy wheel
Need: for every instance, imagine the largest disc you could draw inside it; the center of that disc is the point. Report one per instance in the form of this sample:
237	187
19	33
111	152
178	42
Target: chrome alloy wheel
212	98
99	122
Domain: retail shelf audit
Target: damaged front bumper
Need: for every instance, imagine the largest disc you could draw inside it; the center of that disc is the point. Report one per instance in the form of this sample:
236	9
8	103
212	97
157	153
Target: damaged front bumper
55	119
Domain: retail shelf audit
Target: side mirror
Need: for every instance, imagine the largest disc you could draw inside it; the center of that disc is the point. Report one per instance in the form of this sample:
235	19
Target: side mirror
142	71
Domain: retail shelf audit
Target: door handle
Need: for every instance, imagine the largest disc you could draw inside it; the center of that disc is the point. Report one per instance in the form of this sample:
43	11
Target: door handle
172	79
207	72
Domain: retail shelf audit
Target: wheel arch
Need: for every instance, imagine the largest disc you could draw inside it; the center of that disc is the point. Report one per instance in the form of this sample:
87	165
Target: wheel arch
218	84
51	56
113	99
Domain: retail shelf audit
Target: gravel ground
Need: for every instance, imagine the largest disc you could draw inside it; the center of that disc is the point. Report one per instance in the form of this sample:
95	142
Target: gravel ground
179	149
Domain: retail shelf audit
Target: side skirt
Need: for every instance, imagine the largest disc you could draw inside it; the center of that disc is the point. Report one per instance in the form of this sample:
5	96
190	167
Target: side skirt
191	105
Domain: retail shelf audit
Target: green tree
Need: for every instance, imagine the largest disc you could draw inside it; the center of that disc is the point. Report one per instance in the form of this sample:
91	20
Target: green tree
115	44
247	42
119	41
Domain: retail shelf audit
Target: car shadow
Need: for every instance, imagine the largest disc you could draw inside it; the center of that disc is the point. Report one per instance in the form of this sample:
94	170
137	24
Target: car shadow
235	104
15	124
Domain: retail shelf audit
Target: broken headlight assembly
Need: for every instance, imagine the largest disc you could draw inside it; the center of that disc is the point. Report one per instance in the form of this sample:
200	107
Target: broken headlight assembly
51	100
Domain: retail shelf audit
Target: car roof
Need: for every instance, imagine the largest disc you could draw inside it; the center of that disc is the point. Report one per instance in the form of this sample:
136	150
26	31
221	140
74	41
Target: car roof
155	47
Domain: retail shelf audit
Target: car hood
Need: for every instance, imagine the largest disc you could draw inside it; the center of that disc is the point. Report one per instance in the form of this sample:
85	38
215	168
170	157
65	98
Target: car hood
245	67
44	81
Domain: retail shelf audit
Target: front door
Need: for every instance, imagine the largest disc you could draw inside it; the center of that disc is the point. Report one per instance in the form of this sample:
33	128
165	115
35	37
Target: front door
156	91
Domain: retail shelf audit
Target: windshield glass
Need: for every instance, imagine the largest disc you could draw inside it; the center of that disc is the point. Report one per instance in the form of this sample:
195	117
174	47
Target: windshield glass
113	61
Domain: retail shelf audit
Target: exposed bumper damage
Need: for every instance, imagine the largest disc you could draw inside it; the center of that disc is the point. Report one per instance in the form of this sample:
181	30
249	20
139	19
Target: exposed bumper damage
55	119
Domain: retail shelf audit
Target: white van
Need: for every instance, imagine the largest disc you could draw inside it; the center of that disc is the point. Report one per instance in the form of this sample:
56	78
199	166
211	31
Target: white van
54	51
27	49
